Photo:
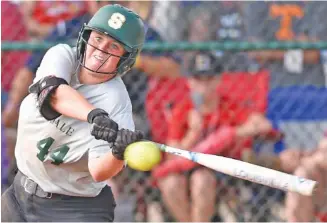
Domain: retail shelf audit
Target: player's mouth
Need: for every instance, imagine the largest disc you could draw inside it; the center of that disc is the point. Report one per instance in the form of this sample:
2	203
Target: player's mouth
98	58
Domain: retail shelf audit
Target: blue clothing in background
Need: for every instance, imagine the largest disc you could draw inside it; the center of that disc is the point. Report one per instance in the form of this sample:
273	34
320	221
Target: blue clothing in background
4	158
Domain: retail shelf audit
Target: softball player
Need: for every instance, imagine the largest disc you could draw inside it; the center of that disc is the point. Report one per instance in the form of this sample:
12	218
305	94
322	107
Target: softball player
75	124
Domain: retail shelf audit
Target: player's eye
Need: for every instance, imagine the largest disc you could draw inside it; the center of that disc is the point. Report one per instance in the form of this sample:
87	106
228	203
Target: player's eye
98	39
114	46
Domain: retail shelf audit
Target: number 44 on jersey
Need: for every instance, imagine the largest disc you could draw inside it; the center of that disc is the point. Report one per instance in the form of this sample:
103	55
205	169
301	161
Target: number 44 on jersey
57	155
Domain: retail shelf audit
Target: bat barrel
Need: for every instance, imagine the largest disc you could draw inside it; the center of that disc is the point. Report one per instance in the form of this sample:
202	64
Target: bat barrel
247	171
258	174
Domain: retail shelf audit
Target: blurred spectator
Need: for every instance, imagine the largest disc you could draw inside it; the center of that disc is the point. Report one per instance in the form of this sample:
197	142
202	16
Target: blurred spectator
197	21
288	21
203	122
230	26
42	16
11	60
300	208
192	21
10	63
179	16
150	70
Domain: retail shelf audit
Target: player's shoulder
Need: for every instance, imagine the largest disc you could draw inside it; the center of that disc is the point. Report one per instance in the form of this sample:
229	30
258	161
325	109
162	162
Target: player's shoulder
63	51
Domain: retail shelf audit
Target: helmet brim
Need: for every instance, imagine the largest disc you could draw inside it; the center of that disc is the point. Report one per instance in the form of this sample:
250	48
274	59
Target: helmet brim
127	48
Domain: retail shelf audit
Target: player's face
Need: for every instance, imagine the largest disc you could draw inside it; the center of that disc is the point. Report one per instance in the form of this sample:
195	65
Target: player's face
102	53
204	85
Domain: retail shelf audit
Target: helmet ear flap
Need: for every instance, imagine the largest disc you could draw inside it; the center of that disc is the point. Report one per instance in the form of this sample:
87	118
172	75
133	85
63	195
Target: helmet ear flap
83	37
126	63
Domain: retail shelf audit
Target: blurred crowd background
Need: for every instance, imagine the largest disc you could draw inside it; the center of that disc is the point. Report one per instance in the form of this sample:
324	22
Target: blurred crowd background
267	107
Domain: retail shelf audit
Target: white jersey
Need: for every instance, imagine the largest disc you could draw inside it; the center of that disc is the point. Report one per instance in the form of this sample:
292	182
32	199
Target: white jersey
55	153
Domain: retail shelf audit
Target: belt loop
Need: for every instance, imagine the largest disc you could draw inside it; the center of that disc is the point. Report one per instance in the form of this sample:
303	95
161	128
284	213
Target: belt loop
49	196
30	186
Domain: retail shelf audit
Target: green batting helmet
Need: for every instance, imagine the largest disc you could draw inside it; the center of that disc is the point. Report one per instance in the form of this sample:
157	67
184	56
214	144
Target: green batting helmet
120	23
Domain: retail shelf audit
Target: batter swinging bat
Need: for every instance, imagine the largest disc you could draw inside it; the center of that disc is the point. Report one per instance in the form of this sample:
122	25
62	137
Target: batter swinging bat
247	171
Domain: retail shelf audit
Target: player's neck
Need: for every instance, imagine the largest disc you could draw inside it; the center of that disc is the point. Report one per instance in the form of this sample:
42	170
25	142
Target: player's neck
88	77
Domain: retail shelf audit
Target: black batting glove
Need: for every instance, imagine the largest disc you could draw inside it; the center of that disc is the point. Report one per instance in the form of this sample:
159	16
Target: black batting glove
102	126
124	138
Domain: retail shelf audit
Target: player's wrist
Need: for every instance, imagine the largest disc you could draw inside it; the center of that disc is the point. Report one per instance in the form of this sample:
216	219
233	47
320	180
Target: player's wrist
124	138
102	126
117	153
95	113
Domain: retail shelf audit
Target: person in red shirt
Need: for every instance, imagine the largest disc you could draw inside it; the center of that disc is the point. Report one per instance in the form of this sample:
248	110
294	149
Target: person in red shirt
42	16
202	122
311	165
11	61
12	29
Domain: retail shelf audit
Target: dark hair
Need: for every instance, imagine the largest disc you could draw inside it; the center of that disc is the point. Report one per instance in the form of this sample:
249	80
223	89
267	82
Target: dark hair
204	64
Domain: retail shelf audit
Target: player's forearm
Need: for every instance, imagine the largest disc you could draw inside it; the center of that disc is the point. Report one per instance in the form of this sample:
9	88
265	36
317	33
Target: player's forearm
105	167
69	102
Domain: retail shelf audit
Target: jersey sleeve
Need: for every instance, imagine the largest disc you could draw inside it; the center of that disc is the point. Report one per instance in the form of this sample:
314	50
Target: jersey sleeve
58	61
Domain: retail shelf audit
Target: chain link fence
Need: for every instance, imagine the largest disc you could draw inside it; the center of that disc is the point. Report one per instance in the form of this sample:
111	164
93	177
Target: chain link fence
288	86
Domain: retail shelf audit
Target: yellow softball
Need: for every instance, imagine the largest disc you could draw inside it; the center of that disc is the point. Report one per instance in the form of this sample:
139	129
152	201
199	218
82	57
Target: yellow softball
142	156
